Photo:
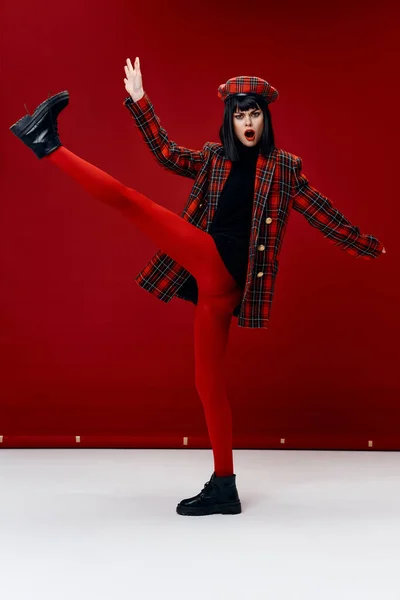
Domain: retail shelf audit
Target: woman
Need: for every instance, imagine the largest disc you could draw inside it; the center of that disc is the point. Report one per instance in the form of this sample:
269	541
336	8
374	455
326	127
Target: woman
222	252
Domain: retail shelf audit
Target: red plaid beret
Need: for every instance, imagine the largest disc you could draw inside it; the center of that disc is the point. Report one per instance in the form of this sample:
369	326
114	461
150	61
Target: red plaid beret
245	85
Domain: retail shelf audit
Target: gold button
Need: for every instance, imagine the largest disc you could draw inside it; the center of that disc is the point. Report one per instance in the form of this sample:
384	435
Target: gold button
268	221
200	205
261	247
260	274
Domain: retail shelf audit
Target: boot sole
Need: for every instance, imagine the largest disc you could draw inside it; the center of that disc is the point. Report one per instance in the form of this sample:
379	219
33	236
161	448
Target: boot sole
20	127
232	508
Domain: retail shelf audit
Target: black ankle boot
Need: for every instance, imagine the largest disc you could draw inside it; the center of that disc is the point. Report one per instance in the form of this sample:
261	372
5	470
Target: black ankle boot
39	131
219	496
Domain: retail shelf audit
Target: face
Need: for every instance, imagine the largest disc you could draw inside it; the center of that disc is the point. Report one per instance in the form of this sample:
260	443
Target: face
252	119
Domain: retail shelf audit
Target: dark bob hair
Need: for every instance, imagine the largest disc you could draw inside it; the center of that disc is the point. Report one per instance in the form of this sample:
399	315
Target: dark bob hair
226	132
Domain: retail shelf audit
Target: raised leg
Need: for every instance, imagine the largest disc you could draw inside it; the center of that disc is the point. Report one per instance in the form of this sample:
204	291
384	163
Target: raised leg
190	246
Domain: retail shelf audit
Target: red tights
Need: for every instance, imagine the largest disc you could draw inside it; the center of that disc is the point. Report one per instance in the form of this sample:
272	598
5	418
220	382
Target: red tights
218	292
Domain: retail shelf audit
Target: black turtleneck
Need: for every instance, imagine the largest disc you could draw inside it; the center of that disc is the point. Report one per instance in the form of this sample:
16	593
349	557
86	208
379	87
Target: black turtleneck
232	221
231	225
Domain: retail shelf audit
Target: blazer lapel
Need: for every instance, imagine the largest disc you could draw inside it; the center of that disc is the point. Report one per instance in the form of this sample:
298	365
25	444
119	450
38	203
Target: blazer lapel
264	173
265	168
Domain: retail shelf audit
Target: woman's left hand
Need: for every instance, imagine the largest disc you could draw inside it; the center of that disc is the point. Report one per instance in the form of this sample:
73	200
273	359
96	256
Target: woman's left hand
384	251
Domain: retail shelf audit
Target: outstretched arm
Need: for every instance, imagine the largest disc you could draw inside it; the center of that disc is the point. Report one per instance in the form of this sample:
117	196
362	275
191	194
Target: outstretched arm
182	161
321	213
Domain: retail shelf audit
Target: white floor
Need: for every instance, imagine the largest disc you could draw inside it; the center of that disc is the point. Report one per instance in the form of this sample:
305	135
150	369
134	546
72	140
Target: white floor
97	524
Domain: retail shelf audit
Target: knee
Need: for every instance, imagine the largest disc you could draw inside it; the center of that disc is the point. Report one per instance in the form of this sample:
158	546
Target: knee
208	387
220	304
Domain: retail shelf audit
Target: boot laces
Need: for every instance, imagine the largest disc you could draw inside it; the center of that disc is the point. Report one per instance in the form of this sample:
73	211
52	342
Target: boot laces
207	485
53	121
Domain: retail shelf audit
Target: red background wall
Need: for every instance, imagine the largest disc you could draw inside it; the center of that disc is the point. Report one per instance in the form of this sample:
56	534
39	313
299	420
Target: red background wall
85	351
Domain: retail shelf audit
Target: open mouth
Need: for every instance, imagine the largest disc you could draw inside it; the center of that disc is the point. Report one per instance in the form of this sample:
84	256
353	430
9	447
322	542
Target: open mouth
250	134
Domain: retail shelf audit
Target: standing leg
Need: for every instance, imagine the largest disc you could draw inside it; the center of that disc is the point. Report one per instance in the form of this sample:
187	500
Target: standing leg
211	333
219	294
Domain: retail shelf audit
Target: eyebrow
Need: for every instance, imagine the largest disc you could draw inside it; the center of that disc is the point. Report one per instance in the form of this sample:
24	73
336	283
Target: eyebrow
242	111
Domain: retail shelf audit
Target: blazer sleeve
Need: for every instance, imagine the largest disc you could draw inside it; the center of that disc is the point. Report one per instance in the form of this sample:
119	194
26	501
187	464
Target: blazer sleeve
183	161
321	213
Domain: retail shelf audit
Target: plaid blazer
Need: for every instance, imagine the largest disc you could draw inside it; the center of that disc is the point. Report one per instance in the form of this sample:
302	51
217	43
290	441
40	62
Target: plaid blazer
279	186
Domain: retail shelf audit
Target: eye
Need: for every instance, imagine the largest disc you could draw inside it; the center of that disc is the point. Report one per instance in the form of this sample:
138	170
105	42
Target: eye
255	114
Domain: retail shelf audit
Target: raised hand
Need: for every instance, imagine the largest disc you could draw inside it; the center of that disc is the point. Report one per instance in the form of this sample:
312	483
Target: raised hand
133	80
